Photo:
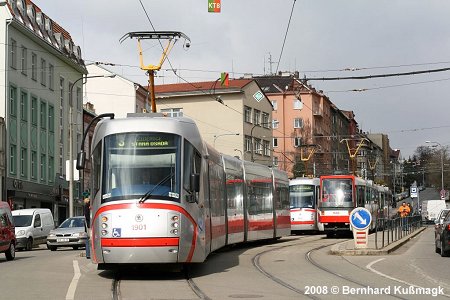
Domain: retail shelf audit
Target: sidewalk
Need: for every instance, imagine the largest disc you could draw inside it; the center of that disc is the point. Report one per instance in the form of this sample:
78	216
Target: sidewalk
348	247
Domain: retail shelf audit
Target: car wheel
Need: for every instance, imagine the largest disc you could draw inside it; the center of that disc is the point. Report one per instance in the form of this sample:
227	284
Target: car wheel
52	248
29	245
443	252
11	253
75	247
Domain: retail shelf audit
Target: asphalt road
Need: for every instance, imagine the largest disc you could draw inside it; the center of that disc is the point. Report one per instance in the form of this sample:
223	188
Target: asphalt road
297	267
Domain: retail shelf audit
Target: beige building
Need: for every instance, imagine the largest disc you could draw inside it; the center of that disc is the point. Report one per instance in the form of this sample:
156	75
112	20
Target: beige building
235	119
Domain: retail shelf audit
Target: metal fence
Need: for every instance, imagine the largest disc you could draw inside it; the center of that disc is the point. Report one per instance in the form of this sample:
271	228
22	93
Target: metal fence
391	230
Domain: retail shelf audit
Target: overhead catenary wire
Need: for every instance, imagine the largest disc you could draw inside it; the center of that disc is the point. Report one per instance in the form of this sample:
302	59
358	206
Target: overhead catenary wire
285	36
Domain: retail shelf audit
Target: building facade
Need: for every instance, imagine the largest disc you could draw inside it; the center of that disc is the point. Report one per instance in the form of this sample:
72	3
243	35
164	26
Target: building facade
41	65
235	119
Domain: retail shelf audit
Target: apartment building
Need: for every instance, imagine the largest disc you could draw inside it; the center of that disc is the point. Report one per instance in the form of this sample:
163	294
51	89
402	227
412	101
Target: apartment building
235	119
40	66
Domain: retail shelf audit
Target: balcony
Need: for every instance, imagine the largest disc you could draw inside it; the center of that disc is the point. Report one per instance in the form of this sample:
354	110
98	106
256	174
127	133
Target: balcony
317	111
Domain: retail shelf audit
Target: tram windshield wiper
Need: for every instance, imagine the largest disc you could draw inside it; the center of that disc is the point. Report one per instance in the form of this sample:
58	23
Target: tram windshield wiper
150	192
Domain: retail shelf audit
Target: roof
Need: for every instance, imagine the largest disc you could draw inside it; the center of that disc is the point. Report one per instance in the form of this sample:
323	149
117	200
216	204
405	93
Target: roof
201	86
45	28
274	84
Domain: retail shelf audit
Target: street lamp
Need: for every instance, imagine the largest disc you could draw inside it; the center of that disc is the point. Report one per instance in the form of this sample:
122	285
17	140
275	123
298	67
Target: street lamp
71	181
237	150
219	135
442	163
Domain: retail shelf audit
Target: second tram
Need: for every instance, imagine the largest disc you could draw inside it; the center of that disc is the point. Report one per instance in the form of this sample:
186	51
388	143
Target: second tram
304	195
340	194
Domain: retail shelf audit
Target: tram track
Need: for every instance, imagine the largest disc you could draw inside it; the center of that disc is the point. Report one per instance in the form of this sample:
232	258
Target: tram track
118	280
257	265
323	268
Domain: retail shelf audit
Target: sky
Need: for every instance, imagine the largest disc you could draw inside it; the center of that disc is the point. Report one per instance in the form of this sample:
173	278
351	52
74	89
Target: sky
325	38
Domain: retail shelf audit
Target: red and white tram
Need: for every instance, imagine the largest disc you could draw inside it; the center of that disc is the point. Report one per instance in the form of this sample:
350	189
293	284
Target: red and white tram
304	195
160	194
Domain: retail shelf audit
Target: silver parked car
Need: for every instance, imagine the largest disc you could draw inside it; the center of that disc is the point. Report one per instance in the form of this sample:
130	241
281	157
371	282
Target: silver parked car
71	233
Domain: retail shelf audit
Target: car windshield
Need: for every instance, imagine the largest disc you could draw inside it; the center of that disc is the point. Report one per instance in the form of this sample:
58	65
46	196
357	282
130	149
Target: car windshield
22	221
72	222
138	164
302	196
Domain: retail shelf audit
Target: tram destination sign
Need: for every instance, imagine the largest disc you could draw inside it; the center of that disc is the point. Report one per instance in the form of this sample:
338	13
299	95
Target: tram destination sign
144	141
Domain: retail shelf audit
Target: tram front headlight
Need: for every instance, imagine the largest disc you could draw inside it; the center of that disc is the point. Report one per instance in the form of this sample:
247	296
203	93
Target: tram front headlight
175	218
175	225
104	225
104	232
174	231
104	219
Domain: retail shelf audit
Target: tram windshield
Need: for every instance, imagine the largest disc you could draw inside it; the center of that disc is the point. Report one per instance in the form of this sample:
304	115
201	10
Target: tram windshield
302	196
337	192
138	164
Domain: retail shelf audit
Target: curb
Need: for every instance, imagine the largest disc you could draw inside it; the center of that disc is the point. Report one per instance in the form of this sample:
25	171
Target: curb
335	249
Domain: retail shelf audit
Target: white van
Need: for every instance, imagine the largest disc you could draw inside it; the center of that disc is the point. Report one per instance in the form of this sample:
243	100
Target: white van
32	226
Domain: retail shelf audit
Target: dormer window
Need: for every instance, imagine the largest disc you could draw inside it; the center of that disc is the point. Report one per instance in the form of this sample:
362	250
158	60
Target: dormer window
21	5
31	12
48	26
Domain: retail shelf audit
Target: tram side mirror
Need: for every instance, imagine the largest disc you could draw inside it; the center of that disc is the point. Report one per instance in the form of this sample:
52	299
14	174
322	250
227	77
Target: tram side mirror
81	159
195	183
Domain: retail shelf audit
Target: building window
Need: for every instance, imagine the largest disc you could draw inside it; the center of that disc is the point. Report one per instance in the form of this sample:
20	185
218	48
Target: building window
13	56
43	167
43	72
266	148
51	119
265	120
275	124
51	77
298	123
298	104
23	106
258	146
248	143
23	162
33	165
34	110
297	141
247	114
257	117
51	169
12	159
275	104
275	142
275	161
13	101
34	66
61	161
24	61
43	115
173	112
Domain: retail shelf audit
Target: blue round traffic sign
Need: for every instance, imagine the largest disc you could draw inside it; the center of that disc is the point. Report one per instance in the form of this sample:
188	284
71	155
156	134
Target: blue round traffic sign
360	218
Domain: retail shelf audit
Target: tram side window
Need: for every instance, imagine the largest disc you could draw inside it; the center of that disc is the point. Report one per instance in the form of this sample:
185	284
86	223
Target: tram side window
192	163
360	195
96	169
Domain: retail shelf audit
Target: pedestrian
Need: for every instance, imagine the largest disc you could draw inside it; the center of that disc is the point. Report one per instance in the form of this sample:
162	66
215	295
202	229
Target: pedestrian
403	212
87	216
411	211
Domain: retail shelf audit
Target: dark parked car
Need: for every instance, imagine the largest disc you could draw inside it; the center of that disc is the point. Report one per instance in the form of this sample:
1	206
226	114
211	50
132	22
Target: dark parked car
71	233
7	235
442	236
